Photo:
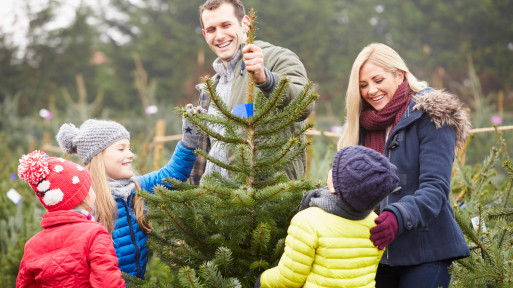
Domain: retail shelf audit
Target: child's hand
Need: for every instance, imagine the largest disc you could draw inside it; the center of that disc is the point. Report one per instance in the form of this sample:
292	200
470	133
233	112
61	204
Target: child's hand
191	133
330	183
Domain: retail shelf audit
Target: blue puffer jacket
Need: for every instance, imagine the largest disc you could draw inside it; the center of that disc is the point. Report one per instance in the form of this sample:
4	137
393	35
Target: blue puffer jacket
129	239
422	146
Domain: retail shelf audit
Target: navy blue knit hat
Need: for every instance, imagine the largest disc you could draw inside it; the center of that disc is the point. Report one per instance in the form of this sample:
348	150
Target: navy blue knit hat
362	178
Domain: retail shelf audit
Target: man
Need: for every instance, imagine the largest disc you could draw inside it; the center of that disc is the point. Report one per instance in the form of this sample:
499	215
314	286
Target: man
225	27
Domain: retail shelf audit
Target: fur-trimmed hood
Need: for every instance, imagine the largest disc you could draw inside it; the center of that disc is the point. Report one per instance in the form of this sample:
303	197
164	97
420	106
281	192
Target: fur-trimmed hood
445	108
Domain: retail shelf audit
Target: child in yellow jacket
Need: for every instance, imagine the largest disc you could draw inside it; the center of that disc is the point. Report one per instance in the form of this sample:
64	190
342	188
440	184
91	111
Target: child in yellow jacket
328	242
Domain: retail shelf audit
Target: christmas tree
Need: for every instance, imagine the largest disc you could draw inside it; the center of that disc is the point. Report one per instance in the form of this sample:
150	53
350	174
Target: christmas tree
485	214
226	231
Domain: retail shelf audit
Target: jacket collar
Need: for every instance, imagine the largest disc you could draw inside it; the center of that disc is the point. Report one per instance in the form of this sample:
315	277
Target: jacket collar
331	203
443	108
230	70
62	217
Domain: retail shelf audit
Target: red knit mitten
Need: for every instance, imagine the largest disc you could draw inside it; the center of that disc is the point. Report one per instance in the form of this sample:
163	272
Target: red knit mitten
385	231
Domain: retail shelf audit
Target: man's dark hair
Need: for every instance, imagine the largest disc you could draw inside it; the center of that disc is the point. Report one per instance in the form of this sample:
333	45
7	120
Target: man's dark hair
238	8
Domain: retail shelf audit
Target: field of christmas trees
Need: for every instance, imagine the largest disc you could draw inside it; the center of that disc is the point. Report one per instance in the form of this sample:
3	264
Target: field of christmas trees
225	232
245	210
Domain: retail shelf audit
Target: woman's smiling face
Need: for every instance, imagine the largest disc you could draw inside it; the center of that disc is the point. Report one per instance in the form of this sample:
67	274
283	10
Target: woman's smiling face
377	86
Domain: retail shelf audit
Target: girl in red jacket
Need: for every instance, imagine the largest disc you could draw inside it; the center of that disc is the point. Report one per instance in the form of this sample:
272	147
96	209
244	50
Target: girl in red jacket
72	250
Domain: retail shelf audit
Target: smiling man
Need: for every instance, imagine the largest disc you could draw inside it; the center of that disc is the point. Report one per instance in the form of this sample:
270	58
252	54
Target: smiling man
225	26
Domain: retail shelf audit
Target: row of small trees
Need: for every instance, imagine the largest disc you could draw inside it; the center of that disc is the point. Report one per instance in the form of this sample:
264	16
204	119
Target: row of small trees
224	232
480	191
485	189
484	199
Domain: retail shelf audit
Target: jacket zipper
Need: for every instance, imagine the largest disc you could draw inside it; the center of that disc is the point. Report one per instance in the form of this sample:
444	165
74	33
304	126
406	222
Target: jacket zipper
388	248
388	149
132	236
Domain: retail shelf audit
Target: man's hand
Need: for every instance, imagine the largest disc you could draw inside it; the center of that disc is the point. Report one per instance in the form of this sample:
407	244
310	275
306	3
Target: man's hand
254	60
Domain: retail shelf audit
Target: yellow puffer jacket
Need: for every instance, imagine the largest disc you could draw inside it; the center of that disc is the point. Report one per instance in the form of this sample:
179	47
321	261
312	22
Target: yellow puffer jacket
325	250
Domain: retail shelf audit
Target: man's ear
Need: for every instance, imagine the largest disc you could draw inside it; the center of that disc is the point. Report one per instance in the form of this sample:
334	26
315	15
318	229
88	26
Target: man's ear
203	31
245	24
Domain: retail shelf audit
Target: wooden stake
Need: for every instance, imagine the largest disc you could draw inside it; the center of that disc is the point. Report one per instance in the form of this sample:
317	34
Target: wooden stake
160	130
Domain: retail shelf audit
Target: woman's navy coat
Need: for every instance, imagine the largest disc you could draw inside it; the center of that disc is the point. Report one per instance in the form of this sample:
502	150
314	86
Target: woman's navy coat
422	146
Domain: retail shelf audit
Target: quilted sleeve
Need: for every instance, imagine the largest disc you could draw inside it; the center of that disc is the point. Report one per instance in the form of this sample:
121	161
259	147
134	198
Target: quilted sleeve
281	62
178	167
296	261
25	277
103	262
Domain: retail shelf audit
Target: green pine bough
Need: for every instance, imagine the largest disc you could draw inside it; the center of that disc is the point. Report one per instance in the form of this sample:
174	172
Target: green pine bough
485	220
226	231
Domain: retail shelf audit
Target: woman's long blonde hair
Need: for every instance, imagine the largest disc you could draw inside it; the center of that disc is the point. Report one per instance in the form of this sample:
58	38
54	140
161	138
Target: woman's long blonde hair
380	55
106	208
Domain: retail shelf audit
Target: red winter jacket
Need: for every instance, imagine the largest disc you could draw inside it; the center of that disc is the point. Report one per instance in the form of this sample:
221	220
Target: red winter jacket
71	251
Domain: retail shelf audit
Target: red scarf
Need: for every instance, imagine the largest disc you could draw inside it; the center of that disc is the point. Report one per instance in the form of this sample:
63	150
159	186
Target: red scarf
376	122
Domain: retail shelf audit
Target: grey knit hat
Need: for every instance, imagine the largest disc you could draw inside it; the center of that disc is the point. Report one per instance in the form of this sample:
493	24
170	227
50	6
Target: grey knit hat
92	137
362	178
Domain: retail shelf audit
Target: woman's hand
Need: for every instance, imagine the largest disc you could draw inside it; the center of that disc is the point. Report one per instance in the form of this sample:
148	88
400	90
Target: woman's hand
386	230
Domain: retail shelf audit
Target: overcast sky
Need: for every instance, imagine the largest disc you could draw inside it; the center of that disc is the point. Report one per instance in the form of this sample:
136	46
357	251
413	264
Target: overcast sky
14	21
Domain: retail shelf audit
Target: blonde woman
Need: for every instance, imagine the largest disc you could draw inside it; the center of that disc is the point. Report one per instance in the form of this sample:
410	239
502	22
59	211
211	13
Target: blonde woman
104	146
417	129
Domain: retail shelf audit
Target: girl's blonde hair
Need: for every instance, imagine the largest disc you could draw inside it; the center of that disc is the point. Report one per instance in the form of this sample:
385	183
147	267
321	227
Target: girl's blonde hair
106	208
380	55
86	204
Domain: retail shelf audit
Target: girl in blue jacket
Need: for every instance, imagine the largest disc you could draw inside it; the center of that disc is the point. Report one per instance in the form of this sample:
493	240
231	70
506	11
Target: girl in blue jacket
104	147
417	128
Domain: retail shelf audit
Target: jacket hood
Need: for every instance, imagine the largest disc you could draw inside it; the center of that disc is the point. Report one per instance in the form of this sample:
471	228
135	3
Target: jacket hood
445	108
262	44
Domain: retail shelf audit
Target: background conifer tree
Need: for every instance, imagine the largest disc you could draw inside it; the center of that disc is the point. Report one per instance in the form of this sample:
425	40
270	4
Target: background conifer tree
226	231
485	216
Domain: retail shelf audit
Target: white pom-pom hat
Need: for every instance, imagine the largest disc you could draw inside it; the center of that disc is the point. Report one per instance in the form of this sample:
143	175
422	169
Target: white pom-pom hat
59	184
